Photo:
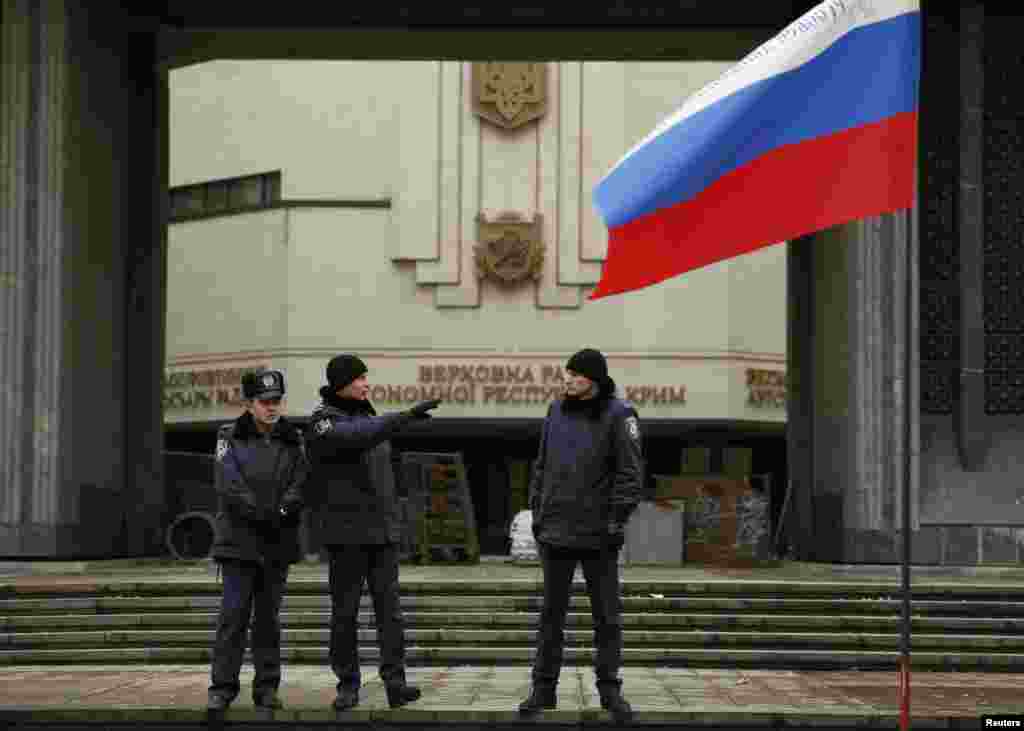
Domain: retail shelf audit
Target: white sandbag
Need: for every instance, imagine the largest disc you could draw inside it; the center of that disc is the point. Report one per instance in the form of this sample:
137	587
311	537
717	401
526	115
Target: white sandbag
524	547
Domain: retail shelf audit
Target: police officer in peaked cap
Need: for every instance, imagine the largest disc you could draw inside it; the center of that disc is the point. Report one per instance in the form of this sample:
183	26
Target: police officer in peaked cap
261	471
351	455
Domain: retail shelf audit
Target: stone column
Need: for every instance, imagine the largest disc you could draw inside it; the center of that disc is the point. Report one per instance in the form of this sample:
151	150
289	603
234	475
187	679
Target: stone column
872	505
81	282
14	125
847	293
33	123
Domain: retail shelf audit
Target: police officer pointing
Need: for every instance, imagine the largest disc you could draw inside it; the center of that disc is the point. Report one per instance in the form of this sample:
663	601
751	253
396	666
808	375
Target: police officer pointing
586	483
260	474
349	448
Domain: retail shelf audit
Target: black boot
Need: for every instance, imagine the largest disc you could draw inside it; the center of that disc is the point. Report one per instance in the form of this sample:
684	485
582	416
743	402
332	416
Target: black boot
347	698
218	702
613	702
399	695
541	697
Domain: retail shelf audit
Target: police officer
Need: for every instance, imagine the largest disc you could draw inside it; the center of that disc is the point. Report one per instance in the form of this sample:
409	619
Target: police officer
586	483
261	469
351	455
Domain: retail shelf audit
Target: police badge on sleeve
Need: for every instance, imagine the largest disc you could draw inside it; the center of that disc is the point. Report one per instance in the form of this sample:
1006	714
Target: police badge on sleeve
322	427
633	428
222	449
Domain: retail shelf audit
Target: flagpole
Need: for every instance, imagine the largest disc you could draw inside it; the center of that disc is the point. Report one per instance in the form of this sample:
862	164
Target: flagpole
904	672
908	413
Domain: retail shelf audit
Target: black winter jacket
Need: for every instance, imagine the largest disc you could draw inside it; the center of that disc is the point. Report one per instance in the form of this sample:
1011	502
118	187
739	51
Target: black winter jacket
588	476
355	482
255	476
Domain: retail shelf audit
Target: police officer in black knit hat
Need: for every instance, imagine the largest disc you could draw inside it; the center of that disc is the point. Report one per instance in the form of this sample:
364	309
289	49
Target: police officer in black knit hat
351	454
586	483
261	471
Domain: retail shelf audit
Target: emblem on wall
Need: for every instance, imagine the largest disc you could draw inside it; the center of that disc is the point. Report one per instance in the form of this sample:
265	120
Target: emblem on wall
510	94
510	249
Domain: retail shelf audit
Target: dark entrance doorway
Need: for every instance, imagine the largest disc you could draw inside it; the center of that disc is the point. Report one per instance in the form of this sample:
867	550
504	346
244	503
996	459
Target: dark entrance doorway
498	455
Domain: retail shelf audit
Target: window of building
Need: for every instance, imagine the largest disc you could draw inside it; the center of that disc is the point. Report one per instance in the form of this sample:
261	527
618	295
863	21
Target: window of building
222	197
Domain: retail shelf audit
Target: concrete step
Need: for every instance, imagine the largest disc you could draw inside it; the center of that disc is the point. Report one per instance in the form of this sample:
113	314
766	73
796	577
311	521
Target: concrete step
670	641
416	655
632	620
780	624
490	603
91	587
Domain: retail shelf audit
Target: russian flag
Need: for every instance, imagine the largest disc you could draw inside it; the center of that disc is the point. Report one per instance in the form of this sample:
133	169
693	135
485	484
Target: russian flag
816	127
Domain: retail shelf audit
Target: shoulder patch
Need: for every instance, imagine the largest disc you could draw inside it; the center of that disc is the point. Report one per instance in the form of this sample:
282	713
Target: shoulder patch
223	445
322	426
633	427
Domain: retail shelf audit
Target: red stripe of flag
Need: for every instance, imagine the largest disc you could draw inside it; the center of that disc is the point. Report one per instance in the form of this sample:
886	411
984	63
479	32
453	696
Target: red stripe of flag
788	192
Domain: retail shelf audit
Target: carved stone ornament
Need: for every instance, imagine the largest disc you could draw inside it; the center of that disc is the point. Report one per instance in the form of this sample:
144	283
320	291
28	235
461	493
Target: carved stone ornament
510	249
510	94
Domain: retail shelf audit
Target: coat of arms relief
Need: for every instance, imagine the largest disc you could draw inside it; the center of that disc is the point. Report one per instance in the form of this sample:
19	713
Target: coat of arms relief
510	249
510	94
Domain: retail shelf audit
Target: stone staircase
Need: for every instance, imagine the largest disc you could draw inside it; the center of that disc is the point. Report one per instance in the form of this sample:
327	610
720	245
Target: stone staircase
715	623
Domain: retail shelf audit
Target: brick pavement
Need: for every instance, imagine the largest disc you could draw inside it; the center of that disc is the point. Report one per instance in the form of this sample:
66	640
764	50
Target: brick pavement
492	693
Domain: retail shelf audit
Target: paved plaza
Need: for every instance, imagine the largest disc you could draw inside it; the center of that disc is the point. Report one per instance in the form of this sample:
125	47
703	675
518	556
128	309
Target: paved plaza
492	694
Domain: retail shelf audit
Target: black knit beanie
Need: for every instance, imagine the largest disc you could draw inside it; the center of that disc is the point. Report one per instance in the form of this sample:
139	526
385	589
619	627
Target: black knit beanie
342	370
590	363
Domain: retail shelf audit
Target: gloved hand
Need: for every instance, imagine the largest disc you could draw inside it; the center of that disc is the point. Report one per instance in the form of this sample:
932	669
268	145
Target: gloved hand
617	520
615	535
420	410
291	507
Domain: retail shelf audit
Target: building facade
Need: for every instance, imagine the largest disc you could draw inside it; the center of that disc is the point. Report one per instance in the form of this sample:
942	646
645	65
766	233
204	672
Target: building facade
99	373
435	218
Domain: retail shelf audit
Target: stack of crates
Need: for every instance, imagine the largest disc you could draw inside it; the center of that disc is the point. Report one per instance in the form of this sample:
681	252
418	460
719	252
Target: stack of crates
438	522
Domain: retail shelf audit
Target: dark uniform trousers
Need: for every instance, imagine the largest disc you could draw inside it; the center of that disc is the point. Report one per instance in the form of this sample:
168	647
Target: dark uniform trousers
601	572
377	565
250	590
